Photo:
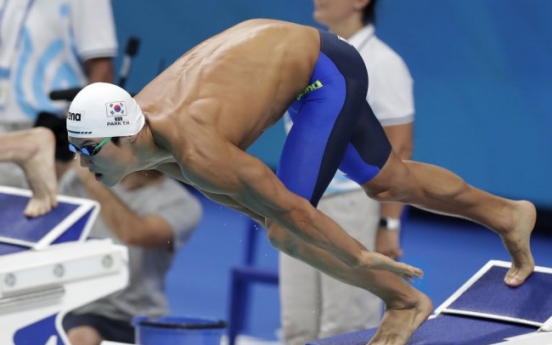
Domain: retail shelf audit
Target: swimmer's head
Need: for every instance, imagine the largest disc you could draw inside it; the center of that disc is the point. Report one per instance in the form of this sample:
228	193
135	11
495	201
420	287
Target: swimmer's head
102	110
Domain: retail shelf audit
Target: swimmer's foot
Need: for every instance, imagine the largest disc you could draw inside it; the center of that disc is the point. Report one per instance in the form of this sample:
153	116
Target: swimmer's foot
398	325
38	164
517	242
381	262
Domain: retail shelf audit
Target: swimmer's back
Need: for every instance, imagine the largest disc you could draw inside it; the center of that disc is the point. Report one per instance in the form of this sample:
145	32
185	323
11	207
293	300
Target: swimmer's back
241	81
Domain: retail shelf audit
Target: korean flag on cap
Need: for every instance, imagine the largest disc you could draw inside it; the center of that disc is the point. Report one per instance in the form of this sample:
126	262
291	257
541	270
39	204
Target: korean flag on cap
116	109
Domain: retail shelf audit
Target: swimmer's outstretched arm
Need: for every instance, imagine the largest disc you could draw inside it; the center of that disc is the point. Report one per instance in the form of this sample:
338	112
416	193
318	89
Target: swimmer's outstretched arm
173	170
33	150
219	167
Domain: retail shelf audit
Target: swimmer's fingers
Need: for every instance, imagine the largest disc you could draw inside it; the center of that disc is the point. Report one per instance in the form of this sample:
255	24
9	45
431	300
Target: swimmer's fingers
409	272
406	271
403	270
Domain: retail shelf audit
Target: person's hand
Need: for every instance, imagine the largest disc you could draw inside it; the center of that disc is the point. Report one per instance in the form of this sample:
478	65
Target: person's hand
378	261
388	243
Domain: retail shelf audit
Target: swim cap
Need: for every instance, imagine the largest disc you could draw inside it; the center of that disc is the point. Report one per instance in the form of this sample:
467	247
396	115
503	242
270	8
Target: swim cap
104	110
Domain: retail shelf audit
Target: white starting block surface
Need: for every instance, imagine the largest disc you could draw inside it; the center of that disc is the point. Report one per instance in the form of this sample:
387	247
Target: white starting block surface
484	311
48	268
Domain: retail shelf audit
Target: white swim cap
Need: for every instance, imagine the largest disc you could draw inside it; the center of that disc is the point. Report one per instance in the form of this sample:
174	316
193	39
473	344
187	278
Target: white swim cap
104	110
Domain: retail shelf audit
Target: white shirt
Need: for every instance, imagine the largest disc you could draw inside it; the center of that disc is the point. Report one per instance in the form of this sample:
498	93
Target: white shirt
390	91
43	46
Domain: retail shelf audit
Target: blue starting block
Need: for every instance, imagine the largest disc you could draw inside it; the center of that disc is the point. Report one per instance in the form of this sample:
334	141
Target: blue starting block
484	311
48	267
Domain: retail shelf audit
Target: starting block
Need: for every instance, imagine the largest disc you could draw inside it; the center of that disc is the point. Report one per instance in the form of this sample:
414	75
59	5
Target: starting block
48	267
484	311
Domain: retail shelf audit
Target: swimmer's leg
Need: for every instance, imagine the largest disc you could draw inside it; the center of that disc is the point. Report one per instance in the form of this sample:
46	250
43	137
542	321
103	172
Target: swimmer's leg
441	191
34	151
438	190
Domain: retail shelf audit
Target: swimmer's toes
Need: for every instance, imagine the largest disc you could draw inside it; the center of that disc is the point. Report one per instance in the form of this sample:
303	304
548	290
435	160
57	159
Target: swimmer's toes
30	211
516	277
36	208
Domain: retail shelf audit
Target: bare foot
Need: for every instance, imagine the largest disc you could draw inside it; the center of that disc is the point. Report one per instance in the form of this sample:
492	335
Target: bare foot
517	242
398	325
382	262
40	172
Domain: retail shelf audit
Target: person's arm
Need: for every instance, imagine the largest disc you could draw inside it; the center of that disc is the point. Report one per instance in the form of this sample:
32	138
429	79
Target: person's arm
100	70
149	231
392	99
173	170
387	240
95	39
218	167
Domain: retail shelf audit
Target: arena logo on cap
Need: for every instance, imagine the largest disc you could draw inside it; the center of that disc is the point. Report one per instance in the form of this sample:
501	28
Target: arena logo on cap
116	109
74	116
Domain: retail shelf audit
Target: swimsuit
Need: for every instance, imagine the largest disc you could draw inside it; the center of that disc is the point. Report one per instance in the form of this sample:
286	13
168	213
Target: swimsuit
333	125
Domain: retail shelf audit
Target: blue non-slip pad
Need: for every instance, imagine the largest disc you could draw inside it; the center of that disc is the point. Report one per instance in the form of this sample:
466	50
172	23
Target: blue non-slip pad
6	249
530	301
443	330
16	226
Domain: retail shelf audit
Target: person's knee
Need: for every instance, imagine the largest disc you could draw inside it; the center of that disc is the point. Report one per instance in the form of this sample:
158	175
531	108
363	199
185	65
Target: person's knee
395	182
84	335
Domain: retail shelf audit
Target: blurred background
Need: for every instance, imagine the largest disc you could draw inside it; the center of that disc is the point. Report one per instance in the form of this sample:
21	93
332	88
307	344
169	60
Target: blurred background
483	95
482	72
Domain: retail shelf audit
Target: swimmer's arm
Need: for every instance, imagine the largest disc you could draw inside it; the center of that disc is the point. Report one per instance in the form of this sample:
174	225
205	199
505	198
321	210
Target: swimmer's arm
221	168
173	170
227	201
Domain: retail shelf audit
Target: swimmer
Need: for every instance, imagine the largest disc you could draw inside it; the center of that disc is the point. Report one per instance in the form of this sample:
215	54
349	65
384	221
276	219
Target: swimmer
33	150
196	120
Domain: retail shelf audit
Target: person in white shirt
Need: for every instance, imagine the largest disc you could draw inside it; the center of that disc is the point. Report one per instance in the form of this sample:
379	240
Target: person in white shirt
314	305
48	45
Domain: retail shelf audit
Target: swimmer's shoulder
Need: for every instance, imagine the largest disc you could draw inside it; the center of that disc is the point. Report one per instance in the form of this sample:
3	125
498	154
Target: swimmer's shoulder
275	27
269	36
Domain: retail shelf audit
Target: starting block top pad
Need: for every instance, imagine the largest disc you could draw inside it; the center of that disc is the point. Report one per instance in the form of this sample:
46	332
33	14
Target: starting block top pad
483	311
71	220
486	295
442	330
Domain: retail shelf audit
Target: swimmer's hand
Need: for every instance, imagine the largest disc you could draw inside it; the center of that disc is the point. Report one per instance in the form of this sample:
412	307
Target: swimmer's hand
378	261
